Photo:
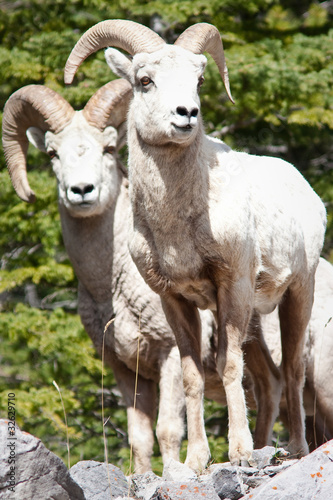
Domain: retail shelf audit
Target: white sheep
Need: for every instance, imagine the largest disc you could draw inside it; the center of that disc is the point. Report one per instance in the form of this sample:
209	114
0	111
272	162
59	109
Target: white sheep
93	203
212	228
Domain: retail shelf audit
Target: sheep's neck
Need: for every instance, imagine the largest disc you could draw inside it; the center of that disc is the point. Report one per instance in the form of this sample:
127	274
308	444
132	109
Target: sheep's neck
97	248
88	243
169	197
172	179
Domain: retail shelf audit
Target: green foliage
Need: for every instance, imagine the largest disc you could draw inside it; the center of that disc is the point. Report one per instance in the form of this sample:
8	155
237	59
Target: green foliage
280	60
30	238
216	422
38	347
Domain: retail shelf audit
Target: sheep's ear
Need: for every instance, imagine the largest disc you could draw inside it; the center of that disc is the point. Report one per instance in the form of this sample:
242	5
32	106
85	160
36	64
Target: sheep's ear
36	137
118	63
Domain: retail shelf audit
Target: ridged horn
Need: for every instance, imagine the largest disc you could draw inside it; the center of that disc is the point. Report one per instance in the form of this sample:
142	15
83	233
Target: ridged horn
127	35
204	37
30	106
109	105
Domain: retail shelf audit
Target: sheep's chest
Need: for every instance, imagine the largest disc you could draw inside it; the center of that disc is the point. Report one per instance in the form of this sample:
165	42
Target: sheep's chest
182	260
187	274
201	291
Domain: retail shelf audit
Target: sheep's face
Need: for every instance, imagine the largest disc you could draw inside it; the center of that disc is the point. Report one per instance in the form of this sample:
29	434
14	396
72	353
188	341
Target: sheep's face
166	84
83	160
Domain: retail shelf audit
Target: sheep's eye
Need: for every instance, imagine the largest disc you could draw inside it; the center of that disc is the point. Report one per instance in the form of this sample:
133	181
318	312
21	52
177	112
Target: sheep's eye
145	80
109	149
52	153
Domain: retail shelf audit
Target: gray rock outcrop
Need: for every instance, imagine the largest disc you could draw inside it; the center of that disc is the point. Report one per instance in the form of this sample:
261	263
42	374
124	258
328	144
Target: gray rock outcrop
28	470
99	484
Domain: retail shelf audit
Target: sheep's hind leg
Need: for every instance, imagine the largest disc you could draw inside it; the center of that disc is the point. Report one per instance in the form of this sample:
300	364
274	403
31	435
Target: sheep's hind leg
184	320
294	313
267	382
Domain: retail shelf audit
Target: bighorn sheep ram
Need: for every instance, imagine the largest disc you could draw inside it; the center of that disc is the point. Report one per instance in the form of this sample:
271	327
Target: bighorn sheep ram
93	204
212	228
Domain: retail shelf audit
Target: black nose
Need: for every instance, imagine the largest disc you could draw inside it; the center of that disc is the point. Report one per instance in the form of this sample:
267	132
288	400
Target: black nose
182	111
82	189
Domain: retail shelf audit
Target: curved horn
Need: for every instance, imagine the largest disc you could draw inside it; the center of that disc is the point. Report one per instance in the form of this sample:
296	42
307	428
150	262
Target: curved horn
204	37
30	106
127	35
109	105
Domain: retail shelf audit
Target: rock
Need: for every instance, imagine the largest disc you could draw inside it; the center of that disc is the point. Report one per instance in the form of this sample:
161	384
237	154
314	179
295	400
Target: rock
151	487
308	478
38	474
231	482
144	486
28	470
176	471
268	455
228	482
94	480
272	470
176	490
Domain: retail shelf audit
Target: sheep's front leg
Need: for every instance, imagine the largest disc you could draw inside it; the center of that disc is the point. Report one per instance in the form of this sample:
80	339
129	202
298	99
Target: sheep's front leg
140	421
233	314
171	413
140	413
184	320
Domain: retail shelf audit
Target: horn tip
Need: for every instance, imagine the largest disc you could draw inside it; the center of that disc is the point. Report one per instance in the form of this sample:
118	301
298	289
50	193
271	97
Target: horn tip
68	78
25	193
29	197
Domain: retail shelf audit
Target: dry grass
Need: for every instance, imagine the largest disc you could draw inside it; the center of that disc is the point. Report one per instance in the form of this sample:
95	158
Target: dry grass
65	417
